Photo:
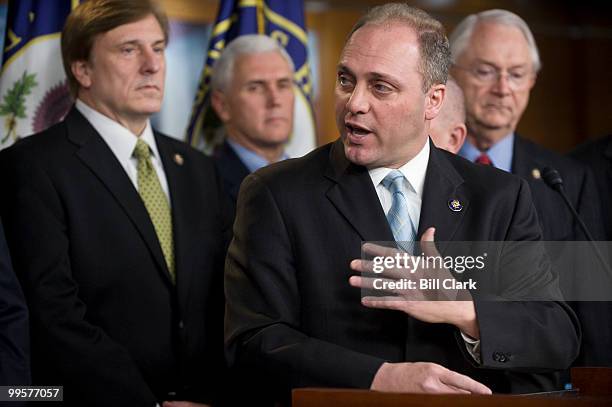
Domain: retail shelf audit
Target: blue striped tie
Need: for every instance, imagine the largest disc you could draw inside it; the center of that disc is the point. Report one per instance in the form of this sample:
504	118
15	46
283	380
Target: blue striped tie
398	216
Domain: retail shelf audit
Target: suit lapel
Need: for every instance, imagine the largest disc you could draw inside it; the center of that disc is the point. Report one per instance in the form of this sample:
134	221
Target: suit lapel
96	155
523	163
183	212
354	196
231	166
442	184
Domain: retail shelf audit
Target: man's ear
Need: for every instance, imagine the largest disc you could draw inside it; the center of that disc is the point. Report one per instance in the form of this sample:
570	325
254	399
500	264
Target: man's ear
457	137
219	104
82	72
433	101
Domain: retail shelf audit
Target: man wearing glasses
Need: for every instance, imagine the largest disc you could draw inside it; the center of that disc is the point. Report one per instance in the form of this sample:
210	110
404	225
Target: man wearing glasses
495	61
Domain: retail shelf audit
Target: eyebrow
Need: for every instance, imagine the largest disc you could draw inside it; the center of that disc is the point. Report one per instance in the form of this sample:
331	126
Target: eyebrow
370	75
263	81
344	69
482	61
138	42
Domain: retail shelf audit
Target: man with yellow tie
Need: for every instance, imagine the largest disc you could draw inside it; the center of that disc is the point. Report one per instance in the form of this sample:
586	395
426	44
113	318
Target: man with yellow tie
118	233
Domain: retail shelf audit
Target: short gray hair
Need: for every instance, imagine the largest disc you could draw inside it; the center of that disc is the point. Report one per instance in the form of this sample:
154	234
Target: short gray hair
463	32
223	69
433	44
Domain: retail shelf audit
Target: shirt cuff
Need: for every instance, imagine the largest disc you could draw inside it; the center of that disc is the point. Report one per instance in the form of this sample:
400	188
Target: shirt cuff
473	346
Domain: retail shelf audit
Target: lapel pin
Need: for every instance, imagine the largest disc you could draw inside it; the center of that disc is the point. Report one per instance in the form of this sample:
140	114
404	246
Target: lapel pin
455	205
535	173
178	159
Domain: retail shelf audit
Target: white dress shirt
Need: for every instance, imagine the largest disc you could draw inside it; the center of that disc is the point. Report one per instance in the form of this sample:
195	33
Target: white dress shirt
122	142
414	182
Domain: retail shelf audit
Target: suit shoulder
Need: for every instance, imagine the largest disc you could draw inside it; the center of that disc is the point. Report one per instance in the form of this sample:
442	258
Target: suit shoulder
567	166
302	168
184	149
46	145
485	175
593	150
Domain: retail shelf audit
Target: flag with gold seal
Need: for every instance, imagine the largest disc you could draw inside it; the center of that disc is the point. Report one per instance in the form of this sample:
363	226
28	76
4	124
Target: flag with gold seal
34	92
282	20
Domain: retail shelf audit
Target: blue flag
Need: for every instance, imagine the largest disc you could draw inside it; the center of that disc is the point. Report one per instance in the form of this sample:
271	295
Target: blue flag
282	20
34	93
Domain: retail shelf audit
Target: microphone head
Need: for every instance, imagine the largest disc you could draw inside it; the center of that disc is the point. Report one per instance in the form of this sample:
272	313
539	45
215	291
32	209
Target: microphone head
552	177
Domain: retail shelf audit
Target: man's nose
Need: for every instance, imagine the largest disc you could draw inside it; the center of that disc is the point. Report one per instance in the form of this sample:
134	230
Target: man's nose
151	60
358	102
502	84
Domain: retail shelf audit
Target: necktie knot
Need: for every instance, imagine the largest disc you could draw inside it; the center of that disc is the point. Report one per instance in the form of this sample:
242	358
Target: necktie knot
483	159
394	181
142	151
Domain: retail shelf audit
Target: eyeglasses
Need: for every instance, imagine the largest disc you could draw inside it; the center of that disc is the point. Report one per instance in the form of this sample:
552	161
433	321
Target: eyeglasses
485	74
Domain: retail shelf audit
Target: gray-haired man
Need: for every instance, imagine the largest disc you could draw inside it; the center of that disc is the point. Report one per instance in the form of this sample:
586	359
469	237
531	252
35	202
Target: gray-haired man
252	93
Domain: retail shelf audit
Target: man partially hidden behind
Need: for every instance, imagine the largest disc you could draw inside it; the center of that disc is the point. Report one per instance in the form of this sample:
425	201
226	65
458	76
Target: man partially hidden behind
447	129
252	93
294	309
118	233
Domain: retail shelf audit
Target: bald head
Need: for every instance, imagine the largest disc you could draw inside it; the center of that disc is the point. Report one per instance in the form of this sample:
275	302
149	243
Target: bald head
448	128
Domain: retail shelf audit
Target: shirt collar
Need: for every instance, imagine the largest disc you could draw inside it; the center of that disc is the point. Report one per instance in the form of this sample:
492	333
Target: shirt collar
414	171
120	139
249	158
500	153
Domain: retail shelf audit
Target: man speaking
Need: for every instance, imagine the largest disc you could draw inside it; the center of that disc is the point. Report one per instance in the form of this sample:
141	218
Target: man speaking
291	309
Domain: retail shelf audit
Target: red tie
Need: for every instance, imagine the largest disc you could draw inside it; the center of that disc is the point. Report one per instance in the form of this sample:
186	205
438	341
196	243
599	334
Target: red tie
483	159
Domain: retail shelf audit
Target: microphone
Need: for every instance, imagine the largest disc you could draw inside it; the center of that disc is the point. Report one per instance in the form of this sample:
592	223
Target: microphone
553	179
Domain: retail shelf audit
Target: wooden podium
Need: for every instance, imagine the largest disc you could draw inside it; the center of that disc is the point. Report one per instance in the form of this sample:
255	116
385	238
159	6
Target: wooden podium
593	388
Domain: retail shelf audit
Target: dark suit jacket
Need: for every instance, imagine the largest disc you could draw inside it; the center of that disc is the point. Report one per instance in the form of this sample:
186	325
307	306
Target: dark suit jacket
14	336
556	220
231	169
558	224
107	322
597	316
291	312
598	156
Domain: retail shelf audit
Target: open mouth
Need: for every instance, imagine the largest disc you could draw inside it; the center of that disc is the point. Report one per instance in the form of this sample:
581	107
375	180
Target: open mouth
356	130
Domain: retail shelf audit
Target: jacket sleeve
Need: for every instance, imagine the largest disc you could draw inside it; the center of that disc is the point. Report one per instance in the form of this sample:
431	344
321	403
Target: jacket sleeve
521	334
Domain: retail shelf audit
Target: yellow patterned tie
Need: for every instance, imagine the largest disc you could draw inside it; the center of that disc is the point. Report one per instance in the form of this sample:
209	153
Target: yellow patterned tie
156	202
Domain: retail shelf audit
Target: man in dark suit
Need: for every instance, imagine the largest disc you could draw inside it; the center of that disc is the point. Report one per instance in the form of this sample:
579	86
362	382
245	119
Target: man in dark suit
496	61
597	155
14	337
118	233
291	311
252	93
